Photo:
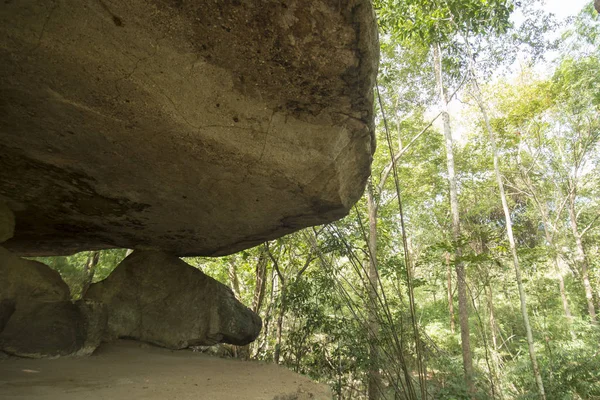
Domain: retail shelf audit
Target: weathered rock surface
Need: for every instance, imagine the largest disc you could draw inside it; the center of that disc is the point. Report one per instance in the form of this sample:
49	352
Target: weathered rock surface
157	298
95	320
52	329
194	127
7	308
7	222
23	281
37	318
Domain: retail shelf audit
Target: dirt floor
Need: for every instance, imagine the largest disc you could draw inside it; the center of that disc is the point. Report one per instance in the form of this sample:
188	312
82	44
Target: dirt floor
130	370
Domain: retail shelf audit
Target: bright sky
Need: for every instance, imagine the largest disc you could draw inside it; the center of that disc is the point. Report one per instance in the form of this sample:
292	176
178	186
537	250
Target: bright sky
561	10
565	8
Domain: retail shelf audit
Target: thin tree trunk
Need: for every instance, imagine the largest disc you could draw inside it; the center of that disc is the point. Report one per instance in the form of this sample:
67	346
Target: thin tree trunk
598	289
89	269
563	294
450	297
513	247
581	258
279	332
259	288
561	280
493	328
557	268
233	277
461	283
374	377
281	285
550	240
258	296
269	309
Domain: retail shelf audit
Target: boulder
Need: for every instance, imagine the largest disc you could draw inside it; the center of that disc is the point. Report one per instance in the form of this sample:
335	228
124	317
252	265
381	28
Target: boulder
94	317
157	298
23	281
7	308
53	329
7	222
194	127
37	318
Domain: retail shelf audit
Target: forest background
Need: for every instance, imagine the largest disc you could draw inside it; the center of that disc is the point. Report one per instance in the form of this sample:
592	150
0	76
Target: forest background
470	269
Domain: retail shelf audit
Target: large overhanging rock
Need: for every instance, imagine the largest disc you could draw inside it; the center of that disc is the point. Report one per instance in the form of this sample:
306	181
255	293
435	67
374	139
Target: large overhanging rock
194	127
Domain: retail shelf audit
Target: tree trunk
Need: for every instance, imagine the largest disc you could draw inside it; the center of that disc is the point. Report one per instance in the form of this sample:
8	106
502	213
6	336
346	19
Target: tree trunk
492	318
563	294
89	269
279	332
374	377
557	268
267	319
450	297
561	284
513	247
493	330
257	298
233	277
550	240
581	258
259	288
461	283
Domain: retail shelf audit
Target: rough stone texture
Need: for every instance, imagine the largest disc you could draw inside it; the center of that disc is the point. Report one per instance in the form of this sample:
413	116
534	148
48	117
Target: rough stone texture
7	308
597	5
22	281
37	318
195	127
7	222
43	329
95	319
53	329
157	298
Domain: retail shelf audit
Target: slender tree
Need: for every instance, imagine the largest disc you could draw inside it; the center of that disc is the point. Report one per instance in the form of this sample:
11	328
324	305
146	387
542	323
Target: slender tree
461	281
89	271
511	239
375	386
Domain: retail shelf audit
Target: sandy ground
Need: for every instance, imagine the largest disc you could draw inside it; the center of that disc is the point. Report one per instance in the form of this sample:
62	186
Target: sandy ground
130	370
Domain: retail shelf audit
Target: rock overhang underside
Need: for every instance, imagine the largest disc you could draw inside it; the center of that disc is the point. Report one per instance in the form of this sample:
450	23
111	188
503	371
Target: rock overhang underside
193	127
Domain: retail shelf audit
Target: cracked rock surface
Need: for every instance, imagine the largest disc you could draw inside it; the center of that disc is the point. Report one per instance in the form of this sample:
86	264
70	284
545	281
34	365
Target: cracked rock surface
193	127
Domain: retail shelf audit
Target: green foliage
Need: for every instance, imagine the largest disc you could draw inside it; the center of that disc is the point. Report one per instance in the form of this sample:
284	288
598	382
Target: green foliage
71	268
435	21
571	369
